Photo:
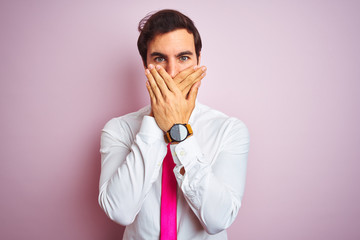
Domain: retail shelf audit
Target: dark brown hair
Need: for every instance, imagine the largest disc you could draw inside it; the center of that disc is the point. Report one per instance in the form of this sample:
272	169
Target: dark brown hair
161	22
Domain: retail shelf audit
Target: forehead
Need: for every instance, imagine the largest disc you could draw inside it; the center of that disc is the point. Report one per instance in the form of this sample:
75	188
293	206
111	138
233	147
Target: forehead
172	42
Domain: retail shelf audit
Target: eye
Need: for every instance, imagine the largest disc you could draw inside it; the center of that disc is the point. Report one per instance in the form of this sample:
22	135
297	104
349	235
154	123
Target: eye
184	58
159	59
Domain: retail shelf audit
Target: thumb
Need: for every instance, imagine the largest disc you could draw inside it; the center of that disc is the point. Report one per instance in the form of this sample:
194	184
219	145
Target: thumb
194	91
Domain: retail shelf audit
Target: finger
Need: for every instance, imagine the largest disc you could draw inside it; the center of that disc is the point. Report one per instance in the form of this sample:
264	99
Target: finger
151	94
159	80
153	85
167	78
193	92
183	74
190	79
185	89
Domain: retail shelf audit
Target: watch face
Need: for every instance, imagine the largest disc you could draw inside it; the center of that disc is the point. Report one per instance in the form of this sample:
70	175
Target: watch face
178	132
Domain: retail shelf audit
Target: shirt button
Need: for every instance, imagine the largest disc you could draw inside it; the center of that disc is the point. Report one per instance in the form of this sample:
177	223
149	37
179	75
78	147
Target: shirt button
182	153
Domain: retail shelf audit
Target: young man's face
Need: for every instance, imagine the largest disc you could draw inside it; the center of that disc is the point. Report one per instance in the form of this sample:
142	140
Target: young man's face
174	51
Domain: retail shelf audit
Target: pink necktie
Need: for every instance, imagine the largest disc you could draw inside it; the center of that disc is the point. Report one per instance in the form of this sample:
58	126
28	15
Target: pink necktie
168	199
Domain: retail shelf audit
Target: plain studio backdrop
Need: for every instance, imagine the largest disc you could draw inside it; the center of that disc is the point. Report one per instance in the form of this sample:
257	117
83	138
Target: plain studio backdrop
289	69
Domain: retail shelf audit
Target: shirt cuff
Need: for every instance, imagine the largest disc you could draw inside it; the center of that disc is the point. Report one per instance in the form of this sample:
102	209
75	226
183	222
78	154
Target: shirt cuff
189	156
150	129
188	151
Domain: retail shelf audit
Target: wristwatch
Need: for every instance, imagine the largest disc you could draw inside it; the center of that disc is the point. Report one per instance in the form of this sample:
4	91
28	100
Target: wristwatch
178	133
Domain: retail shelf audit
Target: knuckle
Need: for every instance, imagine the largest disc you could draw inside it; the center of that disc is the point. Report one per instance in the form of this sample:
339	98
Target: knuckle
178	93
167	100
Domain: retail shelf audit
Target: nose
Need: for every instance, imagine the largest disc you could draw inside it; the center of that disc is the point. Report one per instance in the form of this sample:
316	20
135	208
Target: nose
172	68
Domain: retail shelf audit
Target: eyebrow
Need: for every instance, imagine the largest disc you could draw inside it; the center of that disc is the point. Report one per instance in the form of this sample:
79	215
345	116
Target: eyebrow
184	53
158	54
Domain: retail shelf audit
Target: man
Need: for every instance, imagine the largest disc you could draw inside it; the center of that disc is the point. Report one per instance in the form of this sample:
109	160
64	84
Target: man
208	149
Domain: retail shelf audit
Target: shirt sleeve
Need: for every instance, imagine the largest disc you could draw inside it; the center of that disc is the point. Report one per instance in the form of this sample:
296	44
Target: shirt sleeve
214	187
128	168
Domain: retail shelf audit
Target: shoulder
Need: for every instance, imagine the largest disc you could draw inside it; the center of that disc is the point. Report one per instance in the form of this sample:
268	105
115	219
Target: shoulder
229	128
207	114
130	122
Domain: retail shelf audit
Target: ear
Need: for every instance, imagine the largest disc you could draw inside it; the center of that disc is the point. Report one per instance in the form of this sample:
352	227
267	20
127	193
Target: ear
199	59
145	67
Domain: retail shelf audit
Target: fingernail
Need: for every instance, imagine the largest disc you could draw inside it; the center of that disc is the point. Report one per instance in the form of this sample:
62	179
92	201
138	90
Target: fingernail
195	67
204	69
147	71
151	66
157	67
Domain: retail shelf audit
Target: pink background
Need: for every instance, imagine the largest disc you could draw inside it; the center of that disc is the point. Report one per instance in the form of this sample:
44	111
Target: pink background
289	69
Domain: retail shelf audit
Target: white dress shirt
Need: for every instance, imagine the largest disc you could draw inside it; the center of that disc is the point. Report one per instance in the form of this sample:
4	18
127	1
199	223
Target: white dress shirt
210	191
